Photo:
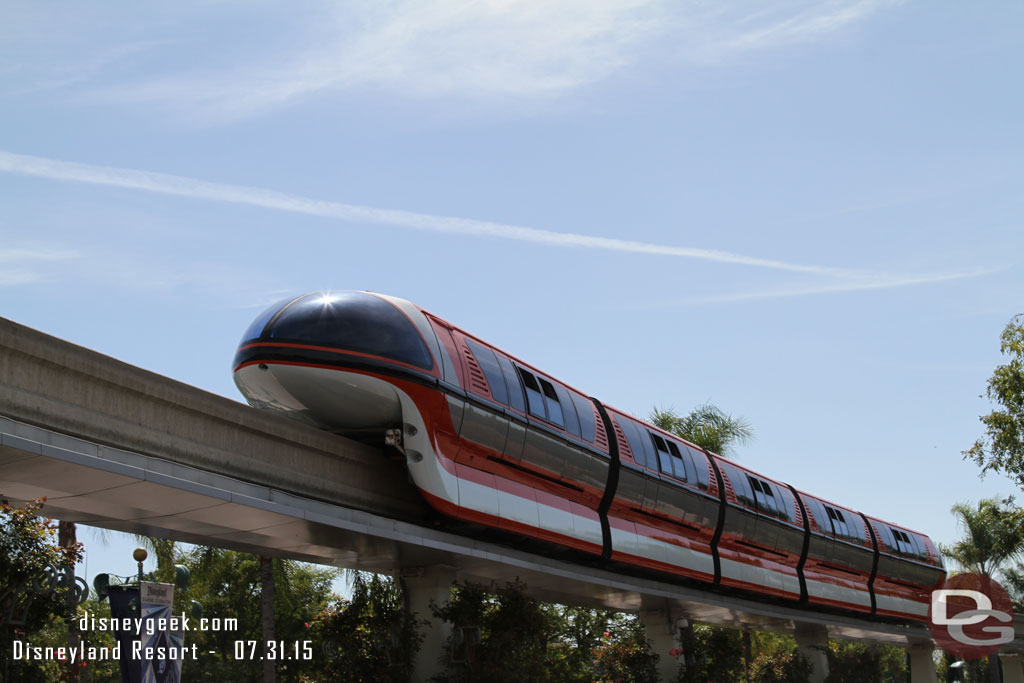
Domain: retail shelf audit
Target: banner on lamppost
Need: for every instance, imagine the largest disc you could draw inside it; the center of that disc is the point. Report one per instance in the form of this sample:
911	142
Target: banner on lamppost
161	645
124	608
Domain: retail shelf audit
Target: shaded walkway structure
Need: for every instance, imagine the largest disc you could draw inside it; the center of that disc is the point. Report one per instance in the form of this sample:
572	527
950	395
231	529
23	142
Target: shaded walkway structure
118	447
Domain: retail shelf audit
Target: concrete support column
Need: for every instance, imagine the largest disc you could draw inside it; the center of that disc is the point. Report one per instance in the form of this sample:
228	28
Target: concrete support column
423	586
662	627
1013	667
812	642
922	662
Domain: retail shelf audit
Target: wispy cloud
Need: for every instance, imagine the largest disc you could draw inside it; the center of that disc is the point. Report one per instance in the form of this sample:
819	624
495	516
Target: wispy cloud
18	255
854	284
254	196
228	284
21	266
45	76
793	22
489	49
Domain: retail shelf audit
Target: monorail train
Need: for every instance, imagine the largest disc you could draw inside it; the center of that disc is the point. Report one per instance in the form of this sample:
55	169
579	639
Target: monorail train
492	440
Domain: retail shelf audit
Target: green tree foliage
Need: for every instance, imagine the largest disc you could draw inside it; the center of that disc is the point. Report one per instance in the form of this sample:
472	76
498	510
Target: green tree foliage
32	596
1002	447
992	536
781	667
587	643
850	662
711	653
227	583
500	634
624	656
497	636
1013	582
706	426
369	638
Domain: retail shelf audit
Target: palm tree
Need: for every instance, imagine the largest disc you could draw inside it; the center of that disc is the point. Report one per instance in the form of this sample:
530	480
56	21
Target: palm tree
706	426
992	536
709	428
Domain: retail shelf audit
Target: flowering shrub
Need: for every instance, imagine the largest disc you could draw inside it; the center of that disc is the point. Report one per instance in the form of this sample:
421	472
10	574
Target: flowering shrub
32	595
625	657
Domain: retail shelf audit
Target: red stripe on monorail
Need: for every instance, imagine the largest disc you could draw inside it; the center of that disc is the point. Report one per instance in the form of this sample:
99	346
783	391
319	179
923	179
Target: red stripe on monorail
328	349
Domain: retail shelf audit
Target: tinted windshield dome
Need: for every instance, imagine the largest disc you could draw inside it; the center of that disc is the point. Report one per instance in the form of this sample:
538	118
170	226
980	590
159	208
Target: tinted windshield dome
352	321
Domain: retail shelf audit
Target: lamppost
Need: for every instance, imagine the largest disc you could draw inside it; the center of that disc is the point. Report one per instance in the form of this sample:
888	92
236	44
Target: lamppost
140	556
126	602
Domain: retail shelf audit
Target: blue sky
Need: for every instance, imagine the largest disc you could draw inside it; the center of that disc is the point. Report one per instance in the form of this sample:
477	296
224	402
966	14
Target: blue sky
806	213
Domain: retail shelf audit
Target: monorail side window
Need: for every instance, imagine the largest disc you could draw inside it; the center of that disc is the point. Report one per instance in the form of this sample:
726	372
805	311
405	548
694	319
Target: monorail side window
664	459
492	371
700	466
740	483
641	454
585	410
839	525
533	396
903	544
817	510
764	498
669	459
551	402
572	422
681	471
515	387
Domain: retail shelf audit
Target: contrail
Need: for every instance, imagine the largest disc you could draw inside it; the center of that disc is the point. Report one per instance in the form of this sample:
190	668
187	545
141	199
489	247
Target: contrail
852	285
193	188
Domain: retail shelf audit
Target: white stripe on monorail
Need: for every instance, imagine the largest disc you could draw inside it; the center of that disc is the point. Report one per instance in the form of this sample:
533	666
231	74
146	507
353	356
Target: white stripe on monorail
837	592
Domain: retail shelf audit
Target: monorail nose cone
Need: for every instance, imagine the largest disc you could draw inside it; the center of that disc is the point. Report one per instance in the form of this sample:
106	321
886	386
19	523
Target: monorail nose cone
357	322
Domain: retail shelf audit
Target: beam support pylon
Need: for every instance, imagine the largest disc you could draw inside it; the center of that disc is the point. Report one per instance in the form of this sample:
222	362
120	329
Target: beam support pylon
662	629
812	642
1013	667
423	586
922	662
